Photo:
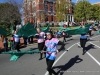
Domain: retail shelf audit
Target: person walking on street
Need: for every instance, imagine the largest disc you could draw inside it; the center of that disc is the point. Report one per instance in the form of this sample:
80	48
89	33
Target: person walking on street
83	40
90	30
51	51
64	36
41	41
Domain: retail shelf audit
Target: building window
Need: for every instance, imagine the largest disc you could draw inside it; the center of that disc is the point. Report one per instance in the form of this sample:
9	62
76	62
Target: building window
46	3
51	8
52	18
51	3
46	7
46	18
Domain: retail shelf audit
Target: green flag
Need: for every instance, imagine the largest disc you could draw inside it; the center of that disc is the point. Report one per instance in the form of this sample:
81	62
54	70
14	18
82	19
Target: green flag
82	30
3	31
27	30
46	29
78	31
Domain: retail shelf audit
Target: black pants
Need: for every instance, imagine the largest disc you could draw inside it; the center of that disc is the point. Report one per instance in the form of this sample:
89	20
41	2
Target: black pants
49	66
17	46
25	40
83	43
40	47
5	46
90	32
31	39
64	38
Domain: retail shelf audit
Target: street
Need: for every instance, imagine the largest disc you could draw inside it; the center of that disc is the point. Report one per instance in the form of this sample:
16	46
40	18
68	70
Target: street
68	62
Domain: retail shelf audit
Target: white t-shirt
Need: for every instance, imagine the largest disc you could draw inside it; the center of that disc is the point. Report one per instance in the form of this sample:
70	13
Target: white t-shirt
16	38
41	37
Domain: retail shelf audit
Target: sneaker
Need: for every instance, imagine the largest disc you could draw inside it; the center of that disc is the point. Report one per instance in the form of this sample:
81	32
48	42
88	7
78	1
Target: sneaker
40	58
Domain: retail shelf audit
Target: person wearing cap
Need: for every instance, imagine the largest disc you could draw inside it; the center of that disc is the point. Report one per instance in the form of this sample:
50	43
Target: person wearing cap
41	41
51	51
83	40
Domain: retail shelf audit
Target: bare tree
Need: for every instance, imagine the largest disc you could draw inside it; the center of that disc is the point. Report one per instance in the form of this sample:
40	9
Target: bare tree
18	3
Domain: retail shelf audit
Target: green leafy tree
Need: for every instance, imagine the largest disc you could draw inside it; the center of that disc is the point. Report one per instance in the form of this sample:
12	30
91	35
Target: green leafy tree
82	10
62	7
9	14
95	12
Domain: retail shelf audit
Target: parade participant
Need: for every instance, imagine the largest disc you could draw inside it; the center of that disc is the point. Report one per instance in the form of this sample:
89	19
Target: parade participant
90	29
83	40
64	36
51	51
41	41
17	41
50	30
56	34
99	26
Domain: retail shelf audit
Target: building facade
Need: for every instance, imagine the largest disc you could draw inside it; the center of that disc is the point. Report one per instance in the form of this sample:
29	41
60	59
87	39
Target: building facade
41	11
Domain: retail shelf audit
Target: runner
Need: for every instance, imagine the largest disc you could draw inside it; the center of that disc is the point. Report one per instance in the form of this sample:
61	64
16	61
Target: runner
51	48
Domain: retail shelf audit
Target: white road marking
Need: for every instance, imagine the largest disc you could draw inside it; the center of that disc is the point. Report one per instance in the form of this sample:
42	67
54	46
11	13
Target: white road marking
95	44
92	57
61	56
65	52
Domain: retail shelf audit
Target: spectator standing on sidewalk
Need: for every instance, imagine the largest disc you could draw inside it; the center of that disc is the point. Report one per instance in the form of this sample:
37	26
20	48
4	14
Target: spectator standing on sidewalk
9	44
17	41
5	42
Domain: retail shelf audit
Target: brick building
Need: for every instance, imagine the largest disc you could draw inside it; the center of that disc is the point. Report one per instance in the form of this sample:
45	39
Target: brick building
41	11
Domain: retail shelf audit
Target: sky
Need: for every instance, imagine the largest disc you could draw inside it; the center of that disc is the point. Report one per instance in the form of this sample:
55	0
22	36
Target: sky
91	1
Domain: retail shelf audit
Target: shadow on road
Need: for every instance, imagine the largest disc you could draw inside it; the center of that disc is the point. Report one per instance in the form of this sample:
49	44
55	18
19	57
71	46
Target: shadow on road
70	39
68	65
89	47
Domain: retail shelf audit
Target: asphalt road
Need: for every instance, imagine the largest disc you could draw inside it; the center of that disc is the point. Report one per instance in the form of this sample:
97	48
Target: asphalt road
70	62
